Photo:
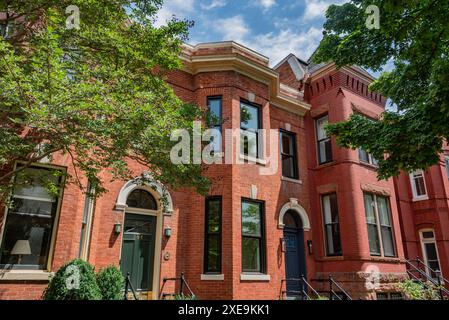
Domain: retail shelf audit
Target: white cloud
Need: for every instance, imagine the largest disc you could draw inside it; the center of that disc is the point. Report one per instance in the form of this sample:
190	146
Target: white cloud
234	28
214	4
317	8
266	4
179	8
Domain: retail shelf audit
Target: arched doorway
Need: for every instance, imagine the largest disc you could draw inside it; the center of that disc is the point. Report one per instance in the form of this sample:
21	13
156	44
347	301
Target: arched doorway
295	256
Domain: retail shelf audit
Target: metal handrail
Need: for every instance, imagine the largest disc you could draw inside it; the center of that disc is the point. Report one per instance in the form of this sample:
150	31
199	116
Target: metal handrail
303	281
128	285
183	284
333	282
438	272
437	284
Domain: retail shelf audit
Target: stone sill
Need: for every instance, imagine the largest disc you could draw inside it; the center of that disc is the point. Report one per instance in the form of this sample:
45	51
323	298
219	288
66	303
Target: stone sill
25	275
297	181
255	277
252	160
212	277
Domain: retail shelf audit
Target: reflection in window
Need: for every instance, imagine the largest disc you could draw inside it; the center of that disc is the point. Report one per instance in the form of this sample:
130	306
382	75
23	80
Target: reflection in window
418	185
323	141
331	224
252	237
288	155
249	126
212	241
141	199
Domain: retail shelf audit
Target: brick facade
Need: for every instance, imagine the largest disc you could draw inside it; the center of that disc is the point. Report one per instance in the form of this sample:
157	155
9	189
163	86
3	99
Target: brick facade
336	93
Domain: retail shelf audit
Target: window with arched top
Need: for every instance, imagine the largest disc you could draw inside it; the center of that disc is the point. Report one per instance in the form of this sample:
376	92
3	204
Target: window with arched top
141	199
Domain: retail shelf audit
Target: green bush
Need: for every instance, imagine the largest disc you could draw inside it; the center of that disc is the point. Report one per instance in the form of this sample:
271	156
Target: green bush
111	282
74	281
417	291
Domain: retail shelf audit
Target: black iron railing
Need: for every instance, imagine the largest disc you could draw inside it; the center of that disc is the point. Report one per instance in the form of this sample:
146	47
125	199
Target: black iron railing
183	287
304	291
420	272
128	287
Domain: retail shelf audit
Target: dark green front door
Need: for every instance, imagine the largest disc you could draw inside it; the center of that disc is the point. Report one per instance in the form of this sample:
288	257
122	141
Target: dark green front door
138	250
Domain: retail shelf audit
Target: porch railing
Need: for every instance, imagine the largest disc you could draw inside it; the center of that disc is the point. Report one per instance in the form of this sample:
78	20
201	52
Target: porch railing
129	287
183	287
305	290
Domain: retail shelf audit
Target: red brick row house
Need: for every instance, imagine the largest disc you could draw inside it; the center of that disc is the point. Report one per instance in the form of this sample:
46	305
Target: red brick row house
321	212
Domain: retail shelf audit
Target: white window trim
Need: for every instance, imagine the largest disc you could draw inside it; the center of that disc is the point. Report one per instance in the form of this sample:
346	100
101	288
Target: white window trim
212	277
56	218
423	249
413	184
255	277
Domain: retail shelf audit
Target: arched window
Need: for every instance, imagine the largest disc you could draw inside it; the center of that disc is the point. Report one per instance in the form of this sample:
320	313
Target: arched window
291	220
141	199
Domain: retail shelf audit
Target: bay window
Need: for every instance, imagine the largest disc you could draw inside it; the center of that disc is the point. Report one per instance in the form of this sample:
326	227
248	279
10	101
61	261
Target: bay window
30	220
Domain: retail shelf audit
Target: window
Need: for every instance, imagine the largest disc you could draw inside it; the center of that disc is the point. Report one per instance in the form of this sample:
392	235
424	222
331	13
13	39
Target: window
212	240
29	220
214	104
141	199
380	227
288	155
430	252
367	157
253	242
86	223
249	124
446	160
331	224
323	141
389	296
418	185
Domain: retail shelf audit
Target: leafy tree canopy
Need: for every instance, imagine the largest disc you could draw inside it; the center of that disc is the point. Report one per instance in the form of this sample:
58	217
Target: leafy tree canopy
94	93
414	35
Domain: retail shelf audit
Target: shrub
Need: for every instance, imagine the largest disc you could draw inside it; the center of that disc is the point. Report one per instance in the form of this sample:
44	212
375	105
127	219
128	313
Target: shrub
185	297
417	291
74	281
111	281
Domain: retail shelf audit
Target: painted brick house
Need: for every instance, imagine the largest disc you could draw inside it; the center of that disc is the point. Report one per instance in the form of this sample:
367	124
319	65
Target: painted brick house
322	211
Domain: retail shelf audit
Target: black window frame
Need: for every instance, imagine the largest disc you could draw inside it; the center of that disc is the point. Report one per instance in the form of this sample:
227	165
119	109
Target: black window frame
216	126
259	126
330	157
206	266
325	225
292	136
262	241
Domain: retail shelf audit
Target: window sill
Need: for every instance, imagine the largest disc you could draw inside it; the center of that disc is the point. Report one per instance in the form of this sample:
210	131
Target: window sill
297	181
252	159
369	165
25	275
212	277
420	199
254	277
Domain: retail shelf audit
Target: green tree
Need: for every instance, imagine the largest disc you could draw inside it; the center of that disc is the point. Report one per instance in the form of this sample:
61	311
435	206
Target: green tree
414	36
111	283
95	93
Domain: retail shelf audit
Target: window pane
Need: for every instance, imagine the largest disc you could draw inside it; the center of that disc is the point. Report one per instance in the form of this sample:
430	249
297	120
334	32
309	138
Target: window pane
332	228
248	143
447	165
320	123
420	186
215	111
32	183
213	253
141	199
251	219
387	241
214	216
428	235
363	155
287	144
373	237
249	116
327	209
384	211
369	209
431	251
251	255
288	167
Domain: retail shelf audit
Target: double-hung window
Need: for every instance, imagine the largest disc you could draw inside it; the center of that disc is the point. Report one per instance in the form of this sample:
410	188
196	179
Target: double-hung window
250	124
331	224
253	237
324	143
212	238
86	223
30	219
214	105
367	157
380	226
288	155
418	183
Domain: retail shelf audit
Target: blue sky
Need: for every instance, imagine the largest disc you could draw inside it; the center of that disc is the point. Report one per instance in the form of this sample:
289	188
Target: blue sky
274	28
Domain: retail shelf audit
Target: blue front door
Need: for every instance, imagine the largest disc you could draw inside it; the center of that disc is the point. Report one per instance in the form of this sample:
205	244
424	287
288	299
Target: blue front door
295	260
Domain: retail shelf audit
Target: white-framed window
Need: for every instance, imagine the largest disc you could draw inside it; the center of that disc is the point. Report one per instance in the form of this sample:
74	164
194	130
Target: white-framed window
446	160
367	157
418	183
430	252
28	231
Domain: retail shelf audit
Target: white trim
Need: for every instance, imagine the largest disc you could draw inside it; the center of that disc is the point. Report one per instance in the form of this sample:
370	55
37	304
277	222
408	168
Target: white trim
295	206
297	181
25	275
416	197
252	160
155	188
212	277
255	277
424	252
